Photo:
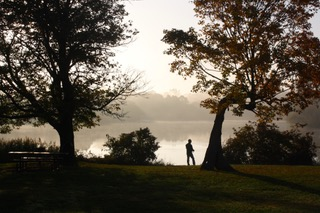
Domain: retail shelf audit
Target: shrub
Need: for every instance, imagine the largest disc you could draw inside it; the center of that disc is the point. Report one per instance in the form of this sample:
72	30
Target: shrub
265	144
135	148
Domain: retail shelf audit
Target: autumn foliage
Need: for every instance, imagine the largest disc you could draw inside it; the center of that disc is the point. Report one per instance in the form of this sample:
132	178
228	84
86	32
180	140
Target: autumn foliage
259	56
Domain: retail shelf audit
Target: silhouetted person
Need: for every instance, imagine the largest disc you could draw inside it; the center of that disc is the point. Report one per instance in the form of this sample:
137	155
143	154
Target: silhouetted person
189	152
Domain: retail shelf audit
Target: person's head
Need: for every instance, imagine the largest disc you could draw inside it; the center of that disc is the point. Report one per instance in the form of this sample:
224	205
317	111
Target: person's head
189	140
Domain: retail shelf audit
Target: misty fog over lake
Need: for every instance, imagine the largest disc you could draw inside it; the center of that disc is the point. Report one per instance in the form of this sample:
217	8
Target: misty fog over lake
171	119
172	136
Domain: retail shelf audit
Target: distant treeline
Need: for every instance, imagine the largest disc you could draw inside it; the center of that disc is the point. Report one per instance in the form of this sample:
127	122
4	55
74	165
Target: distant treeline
158	107
309	116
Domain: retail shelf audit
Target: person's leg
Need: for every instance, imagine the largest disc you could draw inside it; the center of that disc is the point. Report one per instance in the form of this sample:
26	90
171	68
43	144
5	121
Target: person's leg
188	160
193	160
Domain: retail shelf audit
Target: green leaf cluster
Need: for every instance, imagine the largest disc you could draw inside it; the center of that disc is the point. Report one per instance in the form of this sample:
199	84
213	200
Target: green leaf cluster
266	144
135	148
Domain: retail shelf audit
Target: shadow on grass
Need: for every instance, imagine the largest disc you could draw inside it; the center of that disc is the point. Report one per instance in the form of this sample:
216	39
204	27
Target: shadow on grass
245	192
97	188
278	182
85	190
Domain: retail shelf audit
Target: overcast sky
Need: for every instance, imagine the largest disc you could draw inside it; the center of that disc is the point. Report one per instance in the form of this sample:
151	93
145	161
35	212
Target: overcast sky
145	54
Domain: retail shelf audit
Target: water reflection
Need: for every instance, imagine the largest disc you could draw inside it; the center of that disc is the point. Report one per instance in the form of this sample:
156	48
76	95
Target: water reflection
174	152
172	136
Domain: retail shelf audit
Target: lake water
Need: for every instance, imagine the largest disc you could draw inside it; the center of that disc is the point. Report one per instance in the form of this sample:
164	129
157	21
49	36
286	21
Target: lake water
172	136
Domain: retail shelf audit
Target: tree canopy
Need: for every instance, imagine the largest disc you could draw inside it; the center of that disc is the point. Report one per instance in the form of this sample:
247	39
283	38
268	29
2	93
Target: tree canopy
249	55
57	64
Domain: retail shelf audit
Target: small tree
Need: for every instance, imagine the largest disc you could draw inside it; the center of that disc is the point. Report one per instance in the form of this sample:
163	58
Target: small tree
265	144
136	148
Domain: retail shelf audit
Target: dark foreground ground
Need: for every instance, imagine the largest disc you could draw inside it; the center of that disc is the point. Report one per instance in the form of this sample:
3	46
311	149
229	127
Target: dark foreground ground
107	188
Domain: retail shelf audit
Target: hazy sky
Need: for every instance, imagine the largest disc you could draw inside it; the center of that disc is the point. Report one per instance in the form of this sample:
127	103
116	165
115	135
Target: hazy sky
145	54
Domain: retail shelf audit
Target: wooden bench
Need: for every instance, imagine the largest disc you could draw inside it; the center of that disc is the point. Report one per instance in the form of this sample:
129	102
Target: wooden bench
33	160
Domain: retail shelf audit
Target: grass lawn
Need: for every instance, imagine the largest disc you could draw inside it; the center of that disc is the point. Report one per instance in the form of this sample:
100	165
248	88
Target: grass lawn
109	188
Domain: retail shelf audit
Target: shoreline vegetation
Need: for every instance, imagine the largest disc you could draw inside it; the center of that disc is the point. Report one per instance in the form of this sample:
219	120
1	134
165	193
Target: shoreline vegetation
94	187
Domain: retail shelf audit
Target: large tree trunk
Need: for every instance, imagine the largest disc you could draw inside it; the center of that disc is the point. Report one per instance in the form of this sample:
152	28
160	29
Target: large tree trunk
66	130
66	134
214	158
67	143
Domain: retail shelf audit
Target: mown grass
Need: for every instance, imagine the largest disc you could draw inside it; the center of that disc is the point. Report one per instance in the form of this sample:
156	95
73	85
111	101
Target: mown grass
109	188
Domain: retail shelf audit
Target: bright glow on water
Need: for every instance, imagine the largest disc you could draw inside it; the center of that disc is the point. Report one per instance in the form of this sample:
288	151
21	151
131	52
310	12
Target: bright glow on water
170	152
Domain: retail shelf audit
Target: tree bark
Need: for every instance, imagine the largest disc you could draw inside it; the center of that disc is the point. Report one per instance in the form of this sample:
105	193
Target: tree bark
66	135
66	130
214	159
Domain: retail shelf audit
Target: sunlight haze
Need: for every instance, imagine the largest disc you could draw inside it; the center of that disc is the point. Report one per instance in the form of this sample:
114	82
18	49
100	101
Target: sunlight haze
145	54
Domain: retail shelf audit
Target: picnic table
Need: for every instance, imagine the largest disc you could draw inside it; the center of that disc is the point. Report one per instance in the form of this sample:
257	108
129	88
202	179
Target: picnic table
25	160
